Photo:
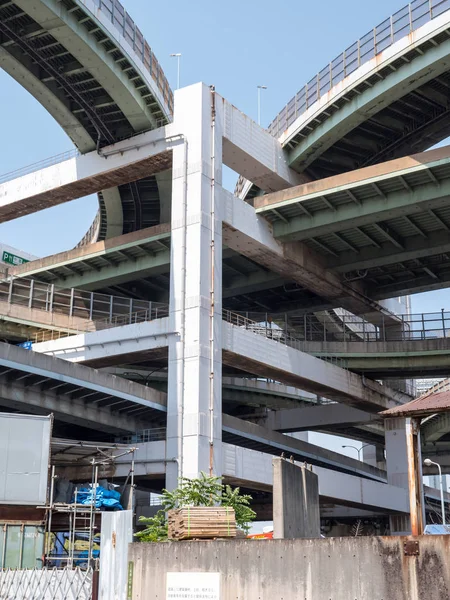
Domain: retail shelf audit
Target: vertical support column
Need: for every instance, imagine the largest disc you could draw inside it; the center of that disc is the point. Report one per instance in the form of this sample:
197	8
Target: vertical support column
194	419
417	516
397	467
374	455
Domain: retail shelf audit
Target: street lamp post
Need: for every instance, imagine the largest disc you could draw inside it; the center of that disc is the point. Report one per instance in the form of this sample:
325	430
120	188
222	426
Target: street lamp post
428	463
260	87
178	57
358	450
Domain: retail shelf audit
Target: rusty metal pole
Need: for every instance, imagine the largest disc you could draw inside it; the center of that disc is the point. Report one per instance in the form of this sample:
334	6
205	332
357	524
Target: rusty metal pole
415	476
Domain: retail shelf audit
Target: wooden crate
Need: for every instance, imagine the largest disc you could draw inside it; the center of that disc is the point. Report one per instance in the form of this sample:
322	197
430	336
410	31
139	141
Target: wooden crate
201	522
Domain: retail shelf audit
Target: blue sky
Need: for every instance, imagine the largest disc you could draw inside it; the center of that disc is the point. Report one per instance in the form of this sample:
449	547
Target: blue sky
233	45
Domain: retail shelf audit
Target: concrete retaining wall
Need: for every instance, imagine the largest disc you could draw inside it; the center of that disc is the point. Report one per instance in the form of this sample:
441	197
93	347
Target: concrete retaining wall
327	569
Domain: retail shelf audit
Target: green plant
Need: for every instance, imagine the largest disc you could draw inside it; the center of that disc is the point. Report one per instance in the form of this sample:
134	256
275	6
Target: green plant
156	530
202	491
241	505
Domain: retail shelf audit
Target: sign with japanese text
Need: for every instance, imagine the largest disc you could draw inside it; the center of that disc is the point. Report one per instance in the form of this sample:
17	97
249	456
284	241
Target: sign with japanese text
193	586
13	259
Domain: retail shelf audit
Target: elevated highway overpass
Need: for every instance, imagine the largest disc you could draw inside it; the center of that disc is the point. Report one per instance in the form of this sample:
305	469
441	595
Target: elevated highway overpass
208	250
382	98
89	65
386	225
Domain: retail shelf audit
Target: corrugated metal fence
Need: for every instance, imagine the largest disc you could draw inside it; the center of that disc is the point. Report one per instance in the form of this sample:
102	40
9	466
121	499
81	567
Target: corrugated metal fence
46	584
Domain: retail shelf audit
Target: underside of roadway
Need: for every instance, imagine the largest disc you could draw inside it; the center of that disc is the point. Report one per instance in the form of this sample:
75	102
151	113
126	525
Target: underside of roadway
99	79
384	360
243	351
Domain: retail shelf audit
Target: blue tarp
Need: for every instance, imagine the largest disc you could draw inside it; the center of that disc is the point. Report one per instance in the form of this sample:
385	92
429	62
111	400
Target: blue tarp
103	498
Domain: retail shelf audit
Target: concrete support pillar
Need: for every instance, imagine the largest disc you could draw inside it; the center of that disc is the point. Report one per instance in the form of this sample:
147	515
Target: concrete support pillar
397	468
374	455
194	426
295	501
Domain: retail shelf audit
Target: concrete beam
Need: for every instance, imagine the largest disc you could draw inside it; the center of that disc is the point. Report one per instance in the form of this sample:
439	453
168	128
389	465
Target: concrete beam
317	417
80	176
127	343
247	233
249	434
254	353
252	151
435	428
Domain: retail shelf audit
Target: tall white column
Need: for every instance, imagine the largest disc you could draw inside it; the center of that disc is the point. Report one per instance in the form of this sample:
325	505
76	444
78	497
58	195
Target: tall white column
194	423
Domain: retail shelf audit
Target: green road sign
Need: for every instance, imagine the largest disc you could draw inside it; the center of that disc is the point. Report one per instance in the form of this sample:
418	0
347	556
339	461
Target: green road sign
12	259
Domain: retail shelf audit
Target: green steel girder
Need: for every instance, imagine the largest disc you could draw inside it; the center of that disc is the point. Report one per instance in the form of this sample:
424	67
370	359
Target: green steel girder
115	274
413	247
412	285
351	215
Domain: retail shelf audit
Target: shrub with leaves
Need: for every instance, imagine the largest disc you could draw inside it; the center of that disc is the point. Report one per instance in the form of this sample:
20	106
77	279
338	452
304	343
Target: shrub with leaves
156	528
241	505
202	491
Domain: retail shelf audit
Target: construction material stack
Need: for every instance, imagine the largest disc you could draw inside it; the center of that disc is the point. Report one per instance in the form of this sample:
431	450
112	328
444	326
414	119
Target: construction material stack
201	522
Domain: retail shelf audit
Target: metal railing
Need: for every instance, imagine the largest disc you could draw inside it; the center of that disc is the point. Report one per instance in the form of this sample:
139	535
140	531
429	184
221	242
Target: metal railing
273	327
145	435
345	328
89	311
42	164
396	27
125	25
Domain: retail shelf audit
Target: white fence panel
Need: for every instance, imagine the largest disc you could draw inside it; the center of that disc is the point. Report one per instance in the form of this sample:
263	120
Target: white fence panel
46	584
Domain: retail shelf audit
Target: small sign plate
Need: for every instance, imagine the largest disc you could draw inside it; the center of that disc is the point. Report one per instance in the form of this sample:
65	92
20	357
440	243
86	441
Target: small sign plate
13	259
193	586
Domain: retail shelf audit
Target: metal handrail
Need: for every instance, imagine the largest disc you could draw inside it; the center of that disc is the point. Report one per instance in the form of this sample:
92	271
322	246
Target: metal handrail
396	27
125	25
42	164
87	311
343	328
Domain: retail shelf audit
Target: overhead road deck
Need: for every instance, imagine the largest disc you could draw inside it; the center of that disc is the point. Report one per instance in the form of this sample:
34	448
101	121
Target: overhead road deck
384	96
255	393
256	270
318	417
248	351
242	349
249	435
30	381
381	109
88	64
252	469
105	263
384	360
124	162
386	225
